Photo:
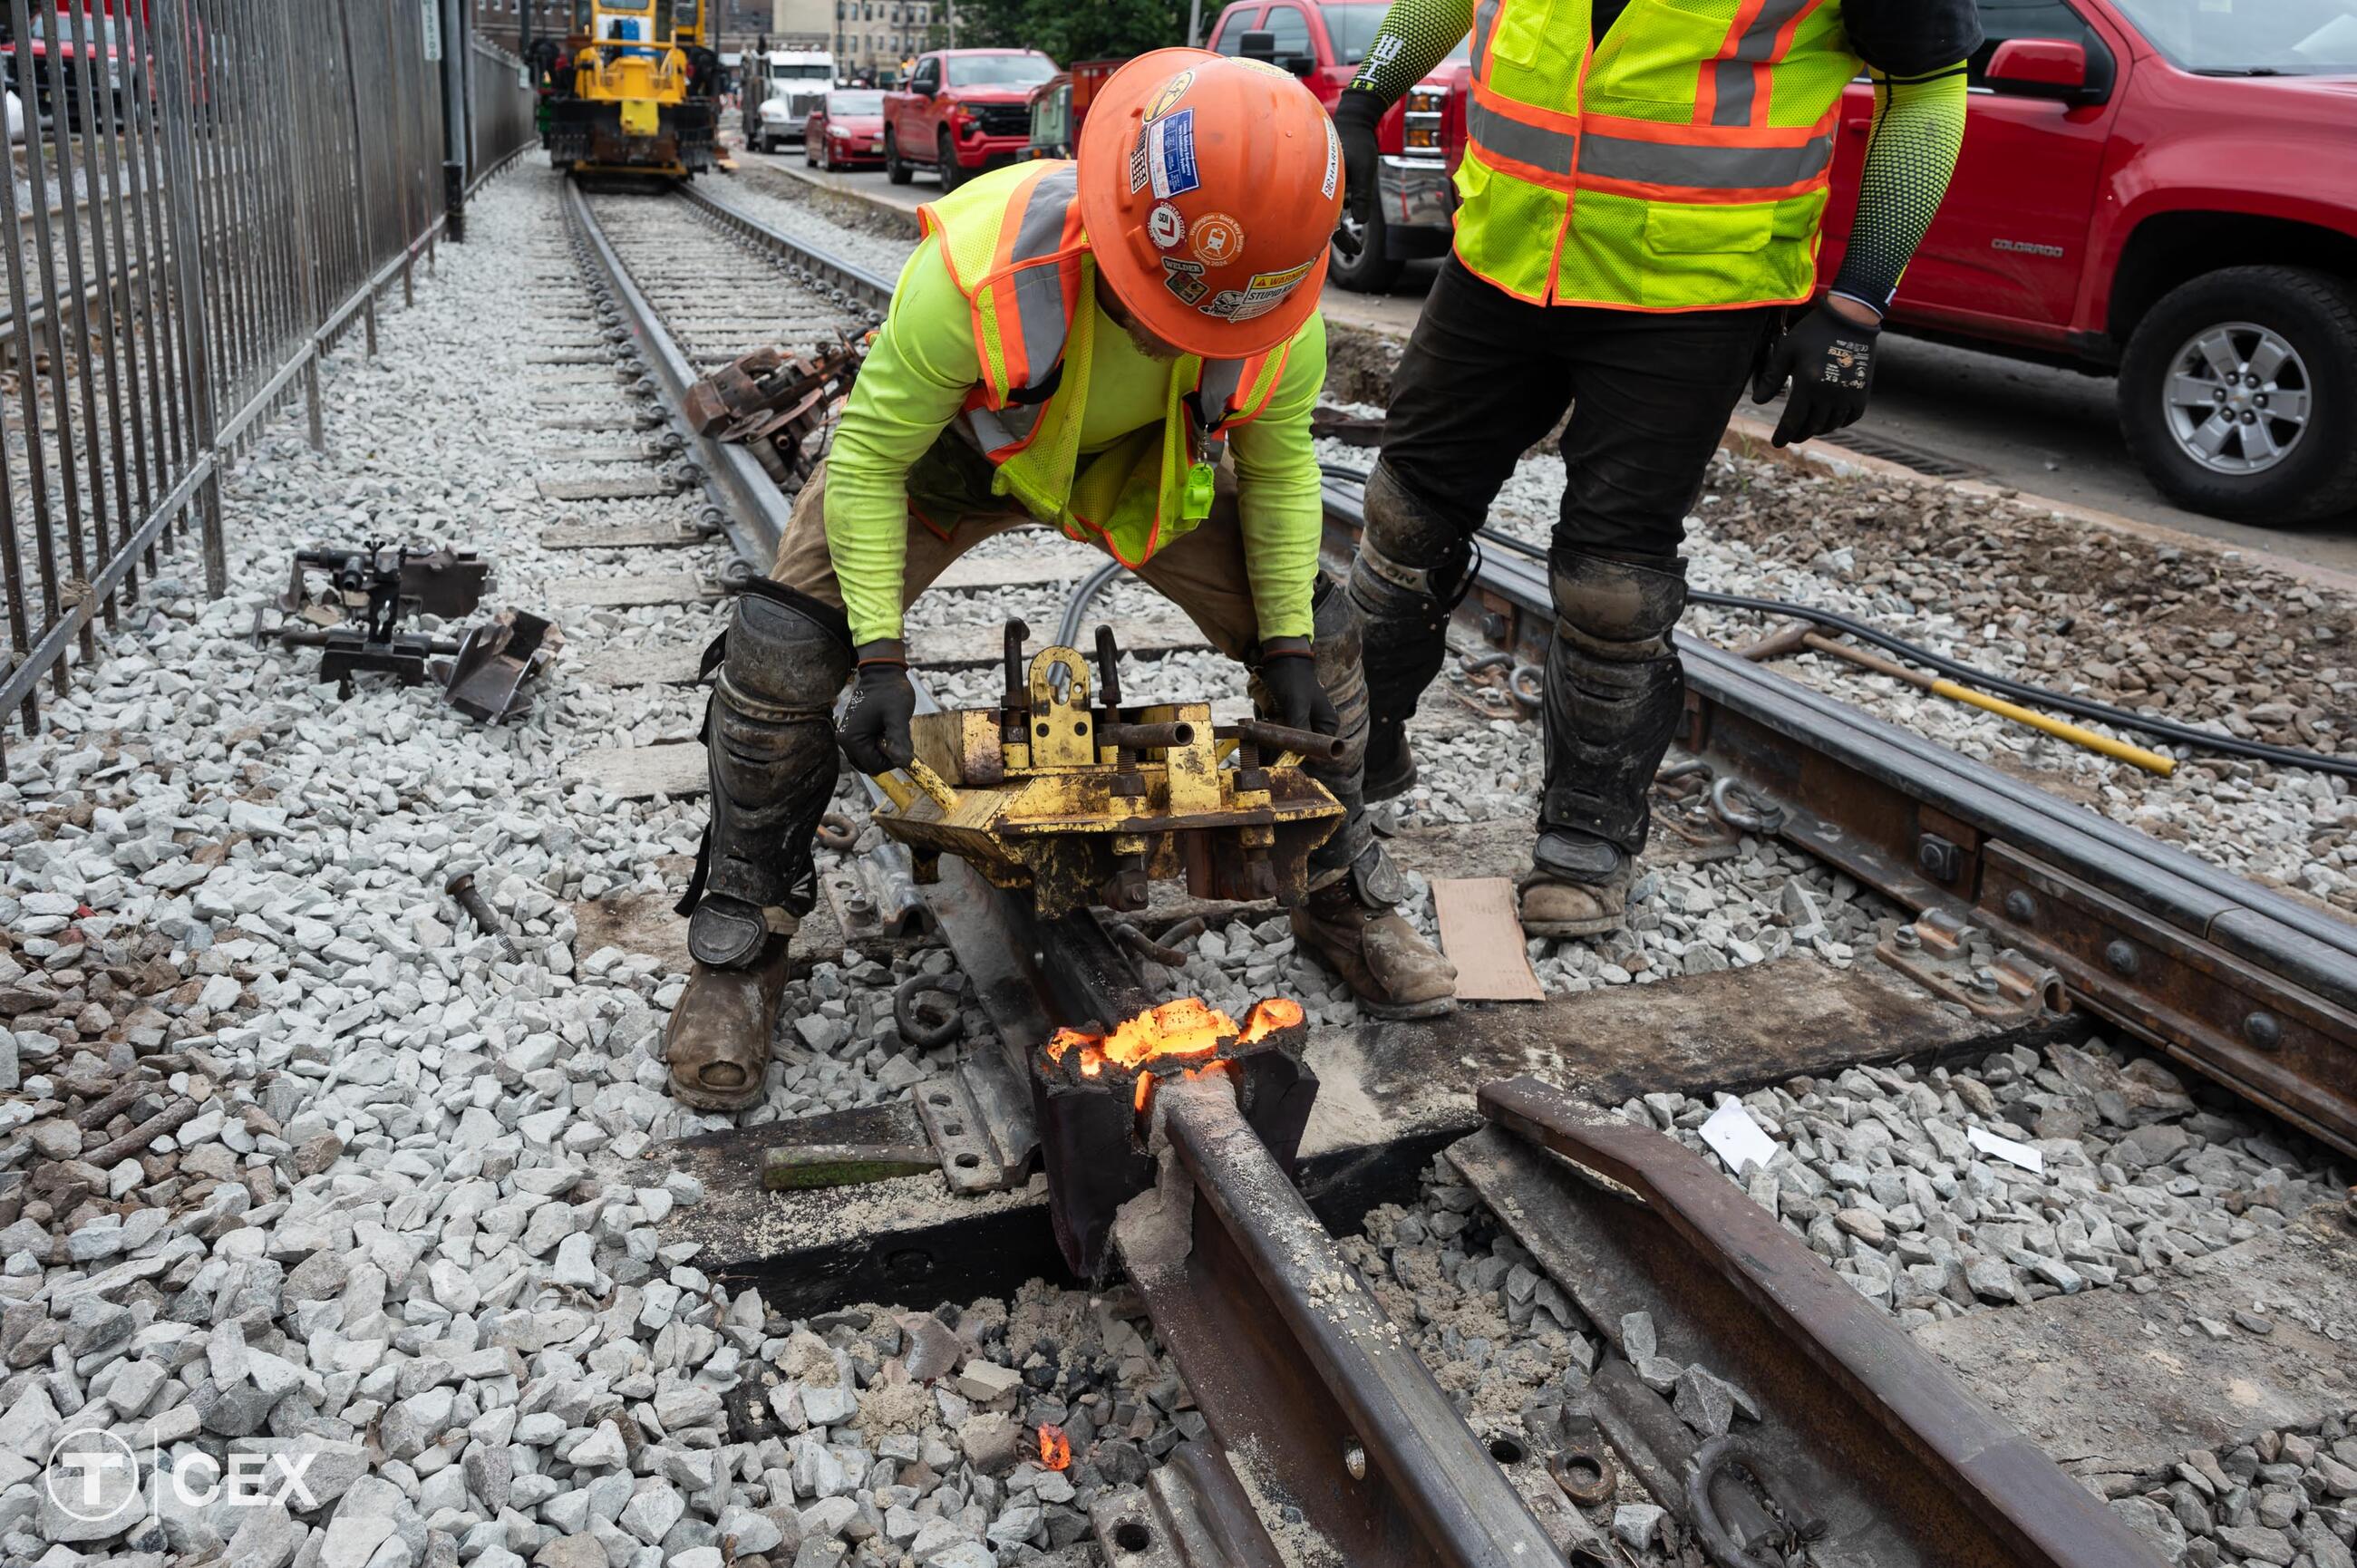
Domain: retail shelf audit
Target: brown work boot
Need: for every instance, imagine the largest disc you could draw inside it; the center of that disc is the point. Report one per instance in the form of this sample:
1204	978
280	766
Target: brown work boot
718	1042
1576	886
1393	972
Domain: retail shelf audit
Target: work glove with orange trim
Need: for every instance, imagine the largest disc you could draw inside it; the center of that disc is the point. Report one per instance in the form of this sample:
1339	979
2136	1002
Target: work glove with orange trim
1829	359
1356	114
874	730
1288	672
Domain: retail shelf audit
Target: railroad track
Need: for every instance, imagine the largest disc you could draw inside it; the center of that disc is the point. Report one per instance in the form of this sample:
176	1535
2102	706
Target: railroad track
1322	1426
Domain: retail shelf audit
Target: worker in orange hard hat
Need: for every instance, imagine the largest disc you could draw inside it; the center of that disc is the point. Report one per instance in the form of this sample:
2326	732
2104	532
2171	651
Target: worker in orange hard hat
1125	347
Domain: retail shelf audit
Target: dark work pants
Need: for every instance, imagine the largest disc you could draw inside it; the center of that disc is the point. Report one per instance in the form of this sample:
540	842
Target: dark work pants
1486	375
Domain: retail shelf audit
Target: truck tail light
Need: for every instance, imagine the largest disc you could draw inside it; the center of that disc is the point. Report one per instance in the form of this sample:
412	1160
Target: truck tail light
1420	131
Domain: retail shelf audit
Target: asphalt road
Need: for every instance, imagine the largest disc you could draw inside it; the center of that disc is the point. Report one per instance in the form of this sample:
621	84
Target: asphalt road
2042	431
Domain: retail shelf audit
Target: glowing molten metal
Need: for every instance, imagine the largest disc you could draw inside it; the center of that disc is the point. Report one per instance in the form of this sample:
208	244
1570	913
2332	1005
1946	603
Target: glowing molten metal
1177	1039
1055	1448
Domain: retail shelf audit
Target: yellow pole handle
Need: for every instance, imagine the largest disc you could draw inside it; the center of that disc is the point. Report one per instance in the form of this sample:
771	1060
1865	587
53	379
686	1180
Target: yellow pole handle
2120	750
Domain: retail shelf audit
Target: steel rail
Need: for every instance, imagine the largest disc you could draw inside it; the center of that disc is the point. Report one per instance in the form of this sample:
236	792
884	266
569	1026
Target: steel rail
2231	979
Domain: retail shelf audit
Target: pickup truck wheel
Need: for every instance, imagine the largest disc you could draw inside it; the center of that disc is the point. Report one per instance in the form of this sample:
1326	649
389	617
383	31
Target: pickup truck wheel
2233	388
895	170
1372	271
945	164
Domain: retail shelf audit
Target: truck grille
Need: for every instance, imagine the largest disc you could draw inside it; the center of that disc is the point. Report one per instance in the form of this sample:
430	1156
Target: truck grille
1005	119
803	105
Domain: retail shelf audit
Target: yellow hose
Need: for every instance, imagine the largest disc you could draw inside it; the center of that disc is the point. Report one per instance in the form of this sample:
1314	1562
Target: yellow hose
2150	761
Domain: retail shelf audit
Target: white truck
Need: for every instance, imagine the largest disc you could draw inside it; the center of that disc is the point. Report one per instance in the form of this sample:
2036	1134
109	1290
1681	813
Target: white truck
781	89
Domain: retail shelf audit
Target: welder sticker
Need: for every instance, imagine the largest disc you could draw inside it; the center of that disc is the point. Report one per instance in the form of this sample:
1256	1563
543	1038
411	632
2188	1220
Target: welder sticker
1168	99
1137	163
1171	154
1218	239
1333	160
1165	226
1184	279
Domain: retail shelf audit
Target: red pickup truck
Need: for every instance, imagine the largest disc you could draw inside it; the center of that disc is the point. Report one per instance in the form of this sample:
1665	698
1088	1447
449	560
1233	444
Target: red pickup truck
1323	42
962	111
2165	191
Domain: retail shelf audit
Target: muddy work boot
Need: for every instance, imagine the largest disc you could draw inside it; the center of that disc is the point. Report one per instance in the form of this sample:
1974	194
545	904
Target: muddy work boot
1390	968
1412	567
1615	692
771	735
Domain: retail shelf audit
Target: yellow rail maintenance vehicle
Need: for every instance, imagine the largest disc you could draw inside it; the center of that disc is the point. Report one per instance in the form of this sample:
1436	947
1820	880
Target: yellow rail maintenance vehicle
636	91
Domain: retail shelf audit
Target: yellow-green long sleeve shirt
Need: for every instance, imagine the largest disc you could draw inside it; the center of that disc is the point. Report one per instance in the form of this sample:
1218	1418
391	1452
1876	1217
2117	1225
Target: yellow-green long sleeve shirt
915	382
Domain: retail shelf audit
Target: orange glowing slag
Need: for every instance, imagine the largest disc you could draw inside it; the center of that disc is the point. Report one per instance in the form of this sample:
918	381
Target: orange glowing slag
1055	1448
1189	1029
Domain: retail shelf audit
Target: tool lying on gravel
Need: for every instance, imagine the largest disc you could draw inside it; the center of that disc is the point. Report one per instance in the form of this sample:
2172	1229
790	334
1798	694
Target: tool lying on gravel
779	405
1086	803
1794	639
356	624
479	909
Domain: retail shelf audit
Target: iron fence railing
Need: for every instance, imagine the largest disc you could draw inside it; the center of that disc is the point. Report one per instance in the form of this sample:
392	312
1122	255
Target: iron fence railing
209	193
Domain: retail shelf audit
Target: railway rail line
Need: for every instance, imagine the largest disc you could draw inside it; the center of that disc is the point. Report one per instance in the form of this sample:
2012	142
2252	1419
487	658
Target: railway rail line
1324	1433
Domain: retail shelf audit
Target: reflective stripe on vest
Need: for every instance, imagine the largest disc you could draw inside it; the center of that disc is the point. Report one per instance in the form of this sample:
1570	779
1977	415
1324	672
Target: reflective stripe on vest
1664	156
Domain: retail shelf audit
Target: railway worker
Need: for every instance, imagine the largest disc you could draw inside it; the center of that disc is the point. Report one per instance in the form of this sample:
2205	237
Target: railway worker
1085	344
1640	205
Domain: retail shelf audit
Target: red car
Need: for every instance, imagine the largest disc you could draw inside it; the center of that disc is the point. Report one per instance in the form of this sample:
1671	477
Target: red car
962	111
2167	192
845	131
1323	42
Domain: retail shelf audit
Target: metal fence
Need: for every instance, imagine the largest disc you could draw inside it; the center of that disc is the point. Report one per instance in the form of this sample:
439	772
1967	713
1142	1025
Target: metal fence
502	120
209	194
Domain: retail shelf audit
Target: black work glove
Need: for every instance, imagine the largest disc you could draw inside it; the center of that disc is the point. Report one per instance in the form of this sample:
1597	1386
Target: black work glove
875	732
1288	671
1356	113
1830	360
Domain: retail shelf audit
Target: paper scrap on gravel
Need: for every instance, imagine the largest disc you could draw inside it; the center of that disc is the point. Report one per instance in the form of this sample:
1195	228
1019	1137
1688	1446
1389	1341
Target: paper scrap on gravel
1737	1137
2005	1149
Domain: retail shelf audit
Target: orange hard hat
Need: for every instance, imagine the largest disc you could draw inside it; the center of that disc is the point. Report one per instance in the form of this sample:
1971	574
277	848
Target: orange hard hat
1209	186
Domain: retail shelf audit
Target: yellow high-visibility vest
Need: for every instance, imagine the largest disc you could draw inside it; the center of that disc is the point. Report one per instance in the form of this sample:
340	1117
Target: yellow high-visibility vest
1016	251
1681	164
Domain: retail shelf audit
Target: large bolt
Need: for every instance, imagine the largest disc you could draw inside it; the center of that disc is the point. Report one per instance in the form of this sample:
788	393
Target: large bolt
2263	1030
1354	1461
2021	906
1906	938
479	909
2123	957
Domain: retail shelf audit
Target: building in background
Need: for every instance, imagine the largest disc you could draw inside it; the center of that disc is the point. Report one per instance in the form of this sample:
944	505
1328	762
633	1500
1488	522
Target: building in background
801	23
501	22
873	38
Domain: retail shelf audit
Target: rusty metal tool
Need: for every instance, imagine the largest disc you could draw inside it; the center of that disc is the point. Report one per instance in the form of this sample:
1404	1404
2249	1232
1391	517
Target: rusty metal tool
479	909
1796	636
1869	1453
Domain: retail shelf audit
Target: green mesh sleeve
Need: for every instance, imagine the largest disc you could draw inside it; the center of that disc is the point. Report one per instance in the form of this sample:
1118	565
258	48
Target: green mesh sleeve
1416	35
1919	126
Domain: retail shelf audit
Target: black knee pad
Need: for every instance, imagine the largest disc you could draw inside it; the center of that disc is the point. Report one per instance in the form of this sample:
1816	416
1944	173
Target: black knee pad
1615	692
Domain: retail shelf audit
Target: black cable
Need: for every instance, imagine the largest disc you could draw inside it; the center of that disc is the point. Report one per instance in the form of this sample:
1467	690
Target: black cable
1999	685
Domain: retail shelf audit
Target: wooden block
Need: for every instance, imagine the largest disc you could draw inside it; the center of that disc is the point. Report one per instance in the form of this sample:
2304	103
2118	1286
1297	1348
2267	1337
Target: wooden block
656	533
620	488
1483	935
616	593
664	664
1028	569
636	772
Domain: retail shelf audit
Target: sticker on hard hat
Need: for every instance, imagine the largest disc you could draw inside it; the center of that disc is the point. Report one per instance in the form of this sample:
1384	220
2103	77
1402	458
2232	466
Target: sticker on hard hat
1168	99
1263	67
1137	163
1184	279
1167	226
1333	160
1218	239
1170	156
1264	293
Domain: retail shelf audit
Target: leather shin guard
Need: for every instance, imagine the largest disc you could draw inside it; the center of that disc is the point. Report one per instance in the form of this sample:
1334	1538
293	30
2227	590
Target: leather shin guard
771	735
1615	692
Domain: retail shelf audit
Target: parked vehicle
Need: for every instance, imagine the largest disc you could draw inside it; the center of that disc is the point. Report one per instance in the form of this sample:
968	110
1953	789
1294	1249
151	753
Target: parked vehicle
845	131
2167	193
781	89
51	29
1323	42
962	111
1059	104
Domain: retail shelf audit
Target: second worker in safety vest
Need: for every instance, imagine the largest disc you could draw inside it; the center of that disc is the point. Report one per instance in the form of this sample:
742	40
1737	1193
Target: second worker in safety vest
1080	344
1640	200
